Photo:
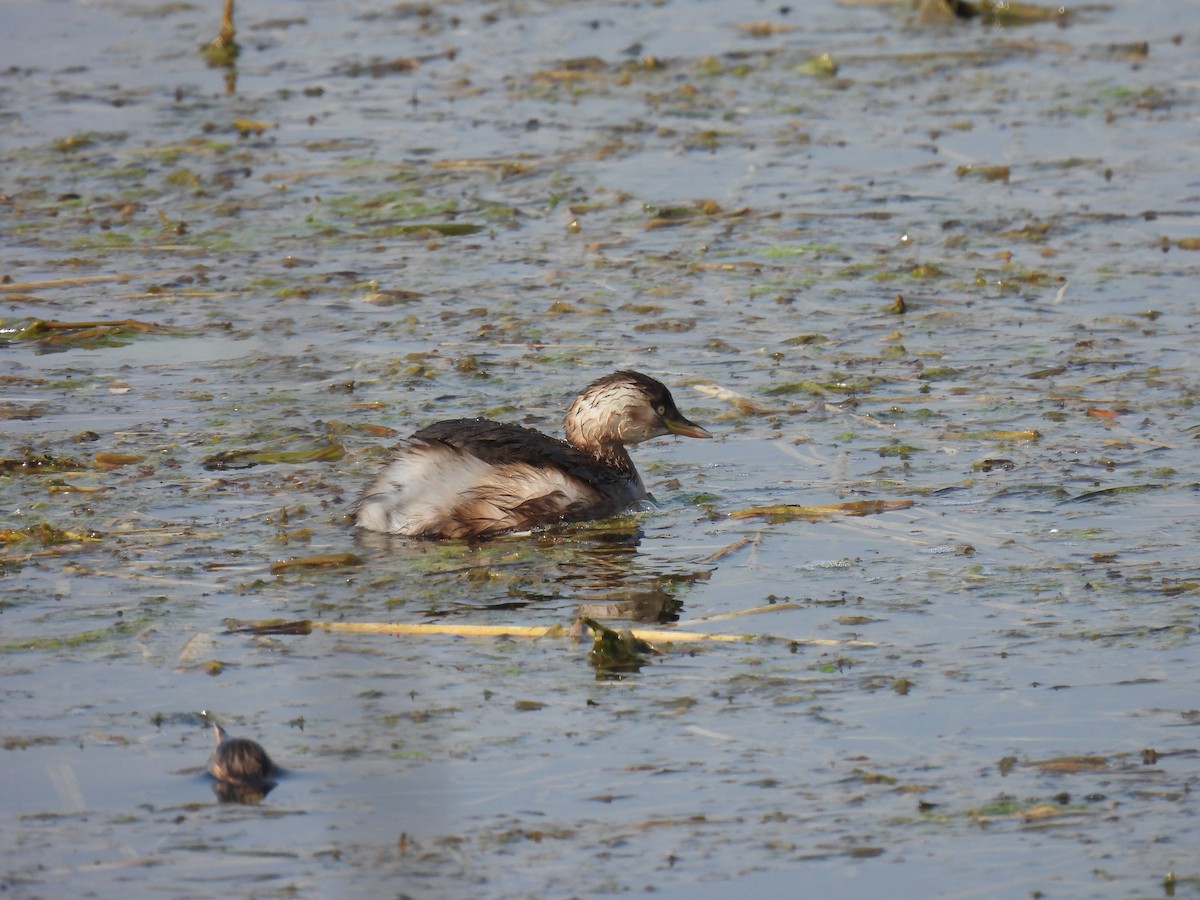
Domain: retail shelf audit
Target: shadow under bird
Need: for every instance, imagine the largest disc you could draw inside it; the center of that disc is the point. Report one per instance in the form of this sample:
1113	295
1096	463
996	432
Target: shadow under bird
475	478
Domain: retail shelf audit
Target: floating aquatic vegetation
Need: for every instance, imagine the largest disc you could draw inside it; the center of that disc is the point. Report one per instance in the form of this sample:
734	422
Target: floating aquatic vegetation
268	626
900	450
821	388
1070	765
48	535
54	334
700	211
417	229
248	459
41	464
986	173
121	630
1005	12
615	651
765	29
12	742
823	65
938	373
987	465
246	127
784	512
1111	493
115	460
989	12
1029	434
222	51
13	412
58	486
317	561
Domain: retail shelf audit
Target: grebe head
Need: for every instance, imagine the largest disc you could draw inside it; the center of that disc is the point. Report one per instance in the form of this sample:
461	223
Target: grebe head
625	408
238	761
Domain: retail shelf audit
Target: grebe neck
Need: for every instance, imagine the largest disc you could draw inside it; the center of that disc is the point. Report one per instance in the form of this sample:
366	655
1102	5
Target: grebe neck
611	453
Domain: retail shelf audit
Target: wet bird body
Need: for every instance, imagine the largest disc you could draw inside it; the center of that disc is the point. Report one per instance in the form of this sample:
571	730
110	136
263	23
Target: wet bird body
239	761
478	478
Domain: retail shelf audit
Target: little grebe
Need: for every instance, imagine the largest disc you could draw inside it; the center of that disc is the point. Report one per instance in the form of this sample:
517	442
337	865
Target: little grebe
477	478
239	761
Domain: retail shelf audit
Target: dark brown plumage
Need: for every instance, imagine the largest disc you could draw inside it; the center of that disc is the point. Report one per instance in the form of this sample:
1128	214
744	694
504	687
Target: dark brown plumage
239	761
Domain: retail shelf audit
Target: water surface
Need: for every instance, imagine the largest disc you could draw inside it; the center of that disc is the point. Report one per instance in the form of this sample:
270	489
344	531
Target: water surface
390	214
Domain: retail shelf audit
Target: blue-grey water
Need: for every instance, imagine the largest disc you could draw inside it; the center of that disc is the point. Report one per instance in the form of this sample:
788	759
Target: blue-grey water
988	693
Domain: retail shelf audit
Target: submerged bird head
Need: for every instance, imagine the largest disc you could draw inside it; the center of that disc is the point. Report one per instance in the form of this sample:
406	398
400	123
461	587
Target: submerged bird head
625	408
239	761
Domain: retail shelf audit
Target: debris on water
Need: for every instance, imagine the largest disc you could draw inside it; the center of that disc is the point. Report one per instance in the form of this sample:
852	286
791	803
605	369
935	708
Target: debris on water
786	511
48	535
317	561
1114	492
990	12
765	29
222	51
40	464
823	65
1069	765
248	459
53	333
987	173
115	460
617	651
987	465
268	626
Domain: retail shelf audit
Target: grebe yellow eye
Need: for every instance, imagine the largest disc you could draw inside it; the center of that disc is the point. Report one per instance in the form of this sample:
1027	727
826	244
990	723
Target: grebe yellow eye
660	409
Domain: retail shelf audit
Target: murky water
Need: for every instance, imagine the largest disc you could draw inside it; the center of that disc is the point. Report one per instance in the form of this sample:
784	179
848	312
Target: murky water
390	214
